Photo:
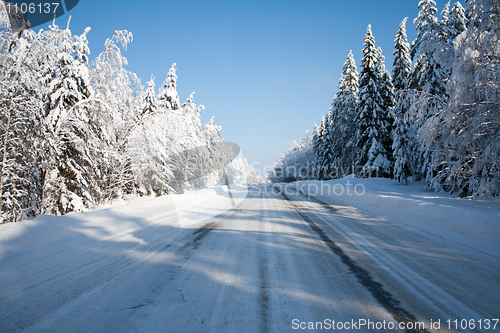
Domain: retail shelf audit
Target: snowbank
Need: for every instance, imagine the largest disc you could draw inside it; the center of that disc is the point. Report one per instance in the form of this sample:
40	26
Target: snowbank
121	219
473	223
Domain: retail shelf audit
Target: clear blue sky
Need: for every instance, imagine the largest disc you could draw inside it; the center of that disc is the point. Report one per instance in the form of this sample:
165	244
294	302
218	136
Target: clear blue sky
267	70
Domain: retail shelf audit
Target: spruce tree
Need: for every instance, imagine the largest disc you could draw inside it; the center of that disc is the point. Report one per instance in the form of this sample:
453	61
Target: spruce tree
70	180
386	88
319	148
328	142
403	142
445	13
168	93
401	67
432	68
150	104
374	120
434	54
457	21
343	142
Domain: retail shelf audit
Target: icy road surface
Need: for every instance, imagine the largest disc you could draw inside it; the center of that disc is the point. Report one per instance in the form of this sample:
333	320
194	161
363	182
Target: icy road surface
266	260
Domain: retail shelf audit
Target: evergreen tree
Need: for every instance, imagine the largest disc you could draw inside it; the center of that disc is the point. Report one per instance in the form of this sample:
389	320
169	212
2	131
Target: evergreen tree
374	120
401	67
168	93
320	148
432	66
69	83
427	25
428	81
343	142
70	182
457	22
386	88
445	13
150	104
403	142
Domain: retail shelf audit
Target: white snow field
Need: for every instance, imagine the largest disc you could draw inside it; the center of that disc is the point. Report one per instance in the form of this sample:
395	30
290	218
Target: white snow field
263	258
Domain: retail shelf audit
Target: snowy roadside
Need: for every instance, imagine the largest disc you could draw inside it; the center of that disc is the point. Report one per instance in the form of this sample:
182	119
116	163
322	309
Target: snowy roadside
119	220
475	224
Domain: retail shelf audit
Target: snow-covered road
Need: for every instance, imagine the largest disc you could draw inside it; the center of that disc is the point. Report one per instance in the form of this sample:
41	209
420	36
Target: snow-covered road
275	262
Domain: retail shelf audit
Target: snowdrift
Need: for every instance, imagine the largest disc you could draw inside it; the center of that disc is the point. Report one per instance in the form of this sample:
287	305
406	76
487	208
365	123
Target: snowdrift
474	223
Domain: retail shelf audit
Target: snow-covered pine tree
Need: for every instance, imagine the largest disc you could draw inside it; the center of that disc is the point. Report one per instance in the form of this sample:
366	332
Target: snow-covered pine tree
328	170
402	148
445	13
456	23
70	182
434	55
212	168
433	65
470	140
69	83
403	143
343	142
320	142
168	92
336	146
401	67
150	103
374	121
386	88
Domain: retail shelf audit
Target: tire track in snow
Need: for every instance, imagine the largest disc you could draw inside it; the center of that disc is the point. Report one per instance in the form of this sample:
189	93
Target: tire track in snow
76	288
432	295
263	272
383	297
263	287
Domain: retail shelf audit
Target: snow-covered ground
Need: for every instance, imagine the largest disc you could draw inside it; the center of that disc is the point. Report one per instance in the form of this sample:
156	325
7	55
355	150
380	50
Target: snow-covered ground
474	223
261	258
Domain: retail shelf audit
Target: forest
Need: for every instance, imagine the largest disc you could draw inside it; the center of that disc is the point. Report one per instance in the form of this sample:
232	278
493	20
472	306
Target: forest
435	117
77	133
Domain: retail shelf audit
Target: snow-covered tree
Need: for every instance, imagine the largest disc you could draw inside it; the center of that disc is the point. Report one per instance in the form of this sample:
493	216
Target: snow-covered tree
343	142
327	154
320	148
374	120
405	144
296	164
69	83
469	140
73	136
401	67
117	105
168	92
434	56
456	23
70	182
445	13
404	136
433	65
21	132
386	88
150	104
